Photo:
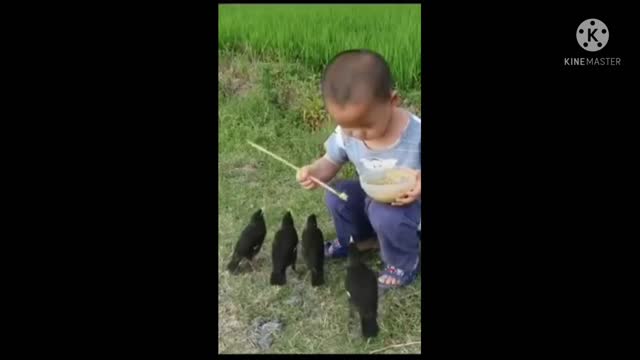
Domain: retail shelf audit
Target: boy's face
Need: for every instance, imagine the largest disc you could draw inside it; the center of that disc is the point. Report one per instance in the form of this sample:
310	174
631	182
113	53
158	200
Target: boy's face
367	120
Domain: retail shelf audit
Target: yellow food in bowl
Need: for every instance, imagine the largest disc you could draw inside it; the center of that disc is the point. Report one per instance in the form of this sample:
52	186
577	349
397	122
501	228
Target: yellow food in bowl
386	186
390	178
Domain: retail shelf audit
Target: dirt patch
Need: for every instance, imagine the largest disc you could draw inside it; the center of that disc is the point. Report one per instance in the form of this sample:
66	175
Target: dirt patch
244	173
262	332
229	326
245	169
249	168
236	78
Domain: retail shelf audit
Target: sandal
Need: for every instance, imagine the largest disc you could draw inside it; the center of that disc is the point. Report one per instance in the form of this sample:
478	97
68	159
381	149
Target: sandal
335	250
403	278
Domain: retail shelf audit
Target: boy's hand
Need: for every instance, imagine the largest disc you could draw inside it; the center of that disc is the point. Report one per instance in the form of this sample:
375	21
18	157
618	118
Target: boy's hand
303	178
322	169
413	195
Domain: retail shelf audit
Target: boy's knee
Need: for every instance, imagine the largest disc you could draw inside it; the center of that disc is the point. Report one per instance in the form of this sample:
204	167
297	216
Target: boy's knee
385	217
381	215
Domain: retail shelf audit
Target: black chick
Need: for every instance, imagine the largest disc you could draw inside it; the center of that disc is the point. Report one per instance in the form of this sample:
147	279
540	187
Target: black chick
250	241
313	250
362	289
284	252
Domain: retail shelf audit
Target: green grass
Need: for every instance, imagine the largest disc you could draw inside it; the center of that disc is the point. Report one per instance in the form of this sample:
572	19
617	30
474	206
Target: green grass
312	34
266	101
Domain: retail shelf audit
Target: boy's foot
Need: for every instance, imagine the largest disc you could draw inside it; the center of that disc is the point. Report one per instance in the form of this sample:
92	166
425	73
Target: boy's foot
392	277
334	250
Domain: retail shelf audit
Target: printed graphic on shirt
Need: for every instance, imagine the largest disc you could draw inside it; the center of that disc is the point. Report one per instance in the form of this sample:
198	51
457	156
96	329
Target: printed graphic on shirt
378	164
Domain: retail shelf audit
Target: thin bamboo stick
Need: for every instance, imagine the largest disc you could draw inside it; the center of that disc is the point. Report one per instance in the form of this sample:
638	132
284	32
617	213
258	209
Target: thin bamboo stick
342	196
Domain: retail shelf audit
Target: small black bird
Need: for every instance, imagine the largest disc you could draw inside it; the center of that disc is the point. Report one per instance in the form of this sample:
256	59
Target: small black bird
250	241
362	289
313	250
284	252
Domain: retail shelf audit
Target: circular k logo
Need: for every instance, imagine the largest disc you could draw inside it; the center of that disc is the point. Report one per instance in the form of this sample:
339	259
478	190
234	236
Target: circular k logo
592	35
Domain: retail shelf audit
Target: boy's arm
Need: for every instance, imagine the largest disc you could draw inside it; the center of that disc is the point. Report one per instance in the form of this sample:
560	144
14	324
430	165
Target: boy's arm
327	167
324	169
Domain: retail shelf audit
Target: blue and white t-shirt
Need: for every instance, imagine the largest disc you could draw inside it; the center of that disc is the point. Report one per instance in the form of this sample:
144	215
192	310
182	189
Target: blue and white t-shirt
404	153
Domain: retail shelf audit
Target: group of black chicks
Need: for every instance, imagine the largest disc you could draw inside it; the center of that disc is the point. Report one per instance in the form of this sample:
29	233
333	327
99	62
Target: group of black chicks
360	283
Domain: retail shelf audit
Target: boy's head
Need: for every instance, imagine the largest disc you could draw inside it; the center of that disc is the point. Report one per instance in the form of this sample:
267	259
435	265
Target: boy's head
357	88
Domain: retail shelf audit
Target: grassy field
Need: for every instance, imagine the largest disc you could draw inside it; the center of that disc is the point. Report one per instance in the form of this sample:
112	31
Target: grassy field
312	34
275	101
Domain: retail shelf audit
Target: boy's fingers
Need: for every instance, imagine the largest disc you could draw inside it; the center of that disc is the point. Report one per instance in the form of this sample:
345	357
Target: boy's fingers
415	191
400	200
302	177
404	196
308	184
302	174
404	200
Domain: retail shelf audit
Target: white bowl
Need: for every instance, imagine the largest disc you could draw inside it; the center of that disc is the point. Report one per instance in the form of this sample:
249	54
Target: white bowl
403	181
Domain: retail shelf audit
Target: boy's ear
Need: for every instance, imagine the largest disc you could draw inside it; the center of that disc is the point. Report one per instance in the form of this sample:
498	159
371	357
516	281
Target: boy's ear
395	98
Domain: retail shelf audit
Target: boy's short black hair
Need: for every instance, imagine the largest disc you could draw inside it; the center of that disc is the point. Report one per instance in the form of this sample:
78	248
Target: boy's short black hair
357	72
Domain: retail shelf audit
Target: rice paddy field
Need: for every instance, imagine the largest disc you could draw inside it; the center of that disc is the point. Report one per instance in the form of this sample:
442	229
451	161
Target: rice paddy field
312	34
269	64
